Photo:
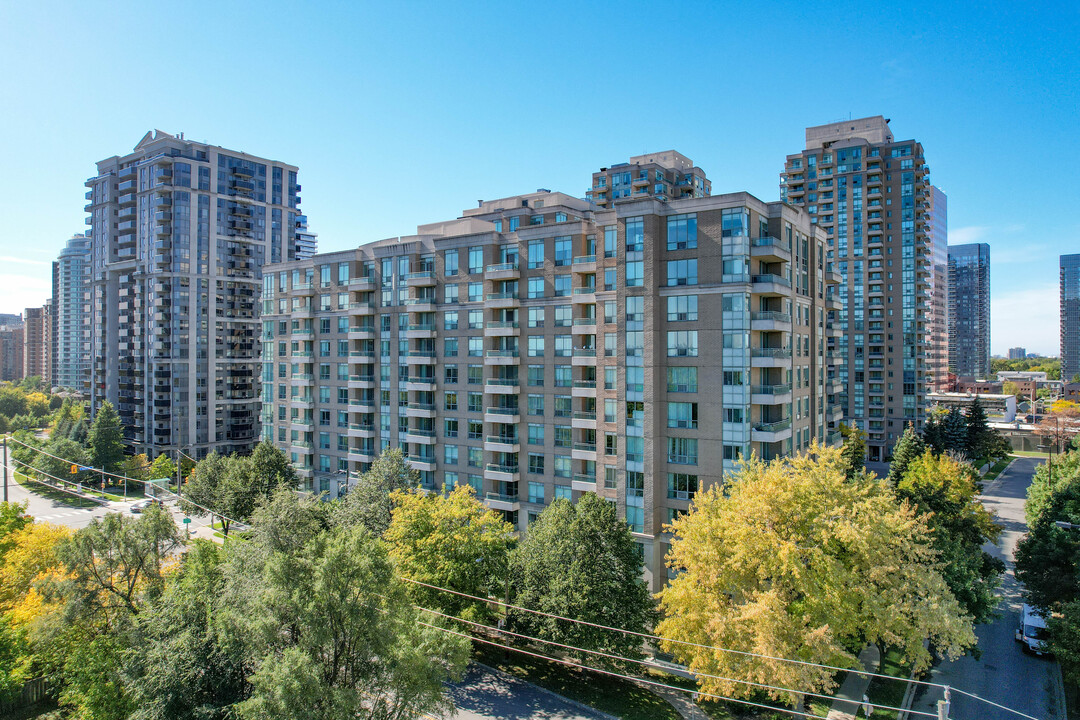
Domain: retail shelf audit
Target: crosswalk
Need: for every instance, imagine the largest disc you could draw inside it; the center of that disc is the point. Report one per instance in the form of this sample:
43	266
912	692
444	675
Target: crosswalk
59	516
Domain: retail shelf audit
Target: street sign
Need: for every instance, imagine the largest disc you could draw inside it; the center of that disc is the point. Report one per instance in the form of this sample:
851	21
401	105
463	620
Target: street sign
74	469
187	520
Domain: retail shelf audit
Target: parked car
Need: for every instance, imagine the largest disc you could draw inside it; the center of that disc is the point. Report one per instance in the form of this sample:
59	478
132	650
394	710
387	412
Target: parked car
138	507
1032	631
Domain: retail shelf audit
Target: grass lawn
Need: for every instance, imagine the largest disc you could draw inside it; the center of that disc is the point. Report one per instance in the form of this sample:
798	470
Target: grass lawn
1028	453
996	470
50	493
607	694
889	692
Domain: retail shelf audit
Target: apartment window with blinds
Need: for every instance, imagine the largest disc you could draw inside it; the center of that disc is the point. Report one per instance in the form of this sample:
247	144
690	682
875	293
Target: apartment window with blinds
681	486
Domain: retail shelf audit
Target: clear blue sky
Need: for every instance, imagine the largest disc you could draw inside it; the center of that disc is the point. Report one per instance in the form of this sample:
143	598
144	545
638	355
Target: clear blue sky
405	113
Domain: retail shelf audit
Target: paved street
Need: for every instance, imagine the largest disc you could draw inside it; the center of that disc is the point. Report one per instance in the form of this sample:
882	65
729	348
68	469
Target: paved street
1004	674
485	694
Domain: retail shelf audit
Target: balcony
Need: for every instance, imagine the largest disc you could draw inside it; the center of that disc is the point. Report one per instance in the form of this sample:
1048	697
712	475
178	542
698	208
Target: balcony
420	304
422	463
501	386
364	455
770	394
500	328
361	430
585	264
363	332
502	443
765	357
501	357
584	357
584	326
770	249
420	437
584	295
584	388
502	473
361	382
503	271
361	283
420	383
505	415
420	410
584	451
583	420
420	279
495	301
502	501
424	331
770	321
769	284
768	432
583	483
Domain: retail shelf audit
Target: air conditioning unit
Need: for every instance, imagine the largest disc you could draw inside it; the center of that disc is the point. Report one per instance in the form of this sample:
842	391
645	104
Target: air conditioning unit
682	495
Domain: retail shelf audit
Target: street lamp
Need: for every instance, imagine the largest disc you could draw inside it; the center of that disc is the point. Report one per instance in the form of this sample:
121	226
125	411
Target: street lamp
1066	525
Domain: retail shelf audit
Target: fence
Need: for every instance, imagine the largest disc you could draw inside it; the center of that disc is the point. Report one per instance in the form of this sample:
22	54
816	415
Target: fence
33	691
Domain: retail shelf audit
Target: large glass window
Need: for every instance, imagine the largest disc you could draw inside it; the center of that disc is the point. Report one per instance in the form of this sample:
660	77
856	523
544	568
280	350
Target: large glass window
682	343
682	232
536	254
682	379
536	287
682	451
635	234
450	263
682	272
563	251
681	486
682	415
635	274
682	308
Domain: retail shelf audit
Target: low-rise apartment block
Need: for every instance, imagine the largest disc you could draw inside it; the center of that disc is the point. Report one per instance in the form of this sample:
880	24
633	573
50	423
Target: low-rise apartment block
542	346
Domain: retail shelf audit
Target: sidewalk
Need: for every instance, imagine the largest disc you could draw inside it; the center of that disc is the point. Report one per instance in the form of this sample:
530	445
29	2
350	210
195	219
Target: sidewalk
849	696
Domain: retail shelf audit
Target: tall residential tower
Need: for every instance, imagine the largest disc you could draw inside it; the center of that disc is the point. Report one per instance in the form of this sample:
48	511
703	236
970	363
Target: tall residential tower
72	325
180	231
1070	316
969	311
872	195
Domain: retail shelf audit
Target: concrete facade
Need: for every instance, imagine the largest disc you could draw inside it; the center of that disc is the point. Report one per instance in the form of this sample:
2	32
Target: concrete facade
542	346
179	233
871	194
1017	353
72	321
969	311
36	343
937	355
1069	280
11	352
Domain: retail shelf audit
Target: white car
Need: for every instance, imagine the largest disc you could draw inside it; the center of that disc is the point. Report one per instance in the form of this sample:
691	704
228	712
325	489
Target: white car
1032	630
138	507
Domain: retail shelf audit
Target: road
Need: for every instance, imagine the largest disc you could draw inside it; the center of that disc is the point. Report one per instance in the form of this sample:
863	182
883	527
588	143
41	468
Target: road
1004	674
485	694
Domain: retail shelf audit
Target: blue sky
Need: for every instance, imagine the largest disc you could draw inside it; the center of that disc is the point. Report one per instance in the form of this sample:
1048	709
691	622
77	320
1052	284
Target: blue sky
405	113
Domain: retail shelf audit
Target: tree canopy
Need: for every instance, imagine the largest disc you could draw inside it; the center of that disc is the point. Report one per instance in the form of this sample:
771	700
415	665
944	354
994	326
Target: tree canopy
794	559
106	439
853	450
369	503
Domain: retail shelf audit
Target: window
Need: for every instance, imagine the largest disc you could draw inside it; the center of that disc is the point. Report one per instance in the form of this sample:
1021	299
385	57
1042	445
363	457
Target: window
476	319
536	254
681	308
564	375
476	402
563	346
635	234
536	463
476	291
476	347
733	415
514	222
451	293
563	436
563	406
611	444
476	431
682	451
450	347
564	316
536	434
682	272
562	285
682	343
536	346
610	240
536	404
451	400
536	317
450	454
563	251
536	287
476	457
609	278
563	466
682	232
682	415
536	492
450	319
635	274
450	263
562	492
682	379
476	260
681	486
735	222
476	375
450	428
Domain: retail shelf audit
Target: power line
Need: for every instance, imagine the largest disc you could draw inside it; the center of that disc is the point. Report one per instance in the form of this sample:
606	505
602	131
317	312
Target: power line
40	482
680	642
647	664
100	471
991	702
676	688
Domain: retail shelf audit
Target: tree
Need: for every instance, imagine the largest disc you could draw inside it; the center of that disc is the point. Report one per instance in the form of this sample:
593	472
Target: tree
1066	471
1063	631
287	521
1010	388
580	561
271	466
1047	562
106	439
162	467
909	447
795	560
854	449
31	553
332	634
945	492
56	466
136	467
12	401
369	503
232	487
934	433
1060	424
954	429
37	404
13	518
453	542
979	435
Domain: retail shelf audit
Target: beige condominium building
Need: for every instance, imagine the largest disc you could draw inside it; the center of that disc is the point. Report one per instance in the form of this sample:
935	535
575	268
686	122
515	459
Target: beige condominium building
871	194
179	232
542	346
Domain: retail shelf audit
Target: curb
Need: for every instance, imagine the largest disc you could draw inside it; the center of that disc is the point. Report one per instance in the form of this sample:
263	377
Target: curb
545	691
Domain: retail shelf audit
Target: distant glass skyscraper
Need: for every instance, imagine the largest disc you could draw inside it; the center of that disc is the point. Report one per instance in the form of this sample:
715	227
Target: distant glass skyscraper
969	310
72	329
937	364
1070	316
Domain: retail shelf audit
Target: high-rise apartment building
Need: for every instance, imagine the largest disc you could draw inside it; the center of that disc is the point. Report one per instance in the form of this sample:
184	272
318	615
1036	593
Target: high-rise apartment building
11	352
969	311
937	354
54	323
36	343
180	231
542	346
70	299
1017	353
1070	316
307	242
665	176
872	196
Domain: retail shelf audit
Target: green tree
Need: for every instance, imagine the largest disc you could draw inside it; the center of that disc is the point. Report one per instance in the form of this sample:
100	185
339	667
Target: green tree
354	645
854	449
106	439
66	453
162	467
795	560
979	437
1048	479
954	428
453	542
369	503
934	434
272	469
232	487
909	447
13	517
1048	564
945	491
1063	630
12	401
580	561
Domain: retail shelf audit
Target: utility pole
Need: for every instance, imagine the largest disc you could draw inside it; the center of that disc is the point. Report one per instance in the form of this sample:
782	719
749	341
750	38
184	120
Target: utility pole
943	706
179	470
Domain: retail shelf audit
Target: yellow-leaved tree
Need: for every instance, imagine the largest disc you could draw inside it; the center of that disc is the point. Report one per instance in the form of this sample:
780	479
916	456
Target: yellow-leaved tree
793	560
